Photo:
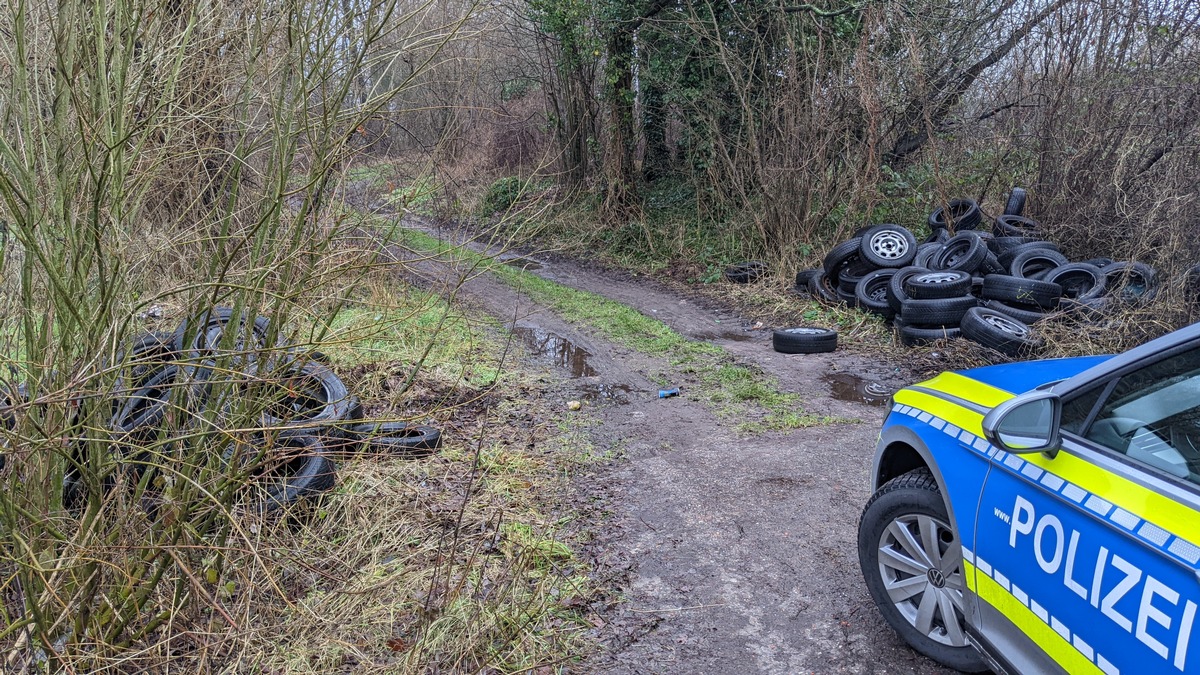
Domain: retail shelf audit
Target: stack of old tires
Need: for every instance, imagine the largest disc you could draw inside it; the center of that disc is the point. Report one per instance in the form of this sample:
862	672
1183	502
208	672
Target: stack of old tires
190	379
989	287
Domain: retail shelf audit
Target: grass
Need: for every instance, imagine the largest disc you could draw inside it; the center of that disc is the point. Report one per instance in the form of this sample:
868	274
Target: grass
733	391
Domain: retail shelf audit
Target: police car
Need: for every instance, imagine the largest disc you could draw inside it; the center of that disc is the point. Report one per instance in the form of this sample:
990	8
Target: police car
1041	517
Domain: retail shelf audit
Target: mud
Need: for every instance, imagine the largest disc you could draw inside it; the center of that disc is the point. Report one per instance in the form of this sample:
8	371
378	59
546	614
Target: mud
850	387
730	554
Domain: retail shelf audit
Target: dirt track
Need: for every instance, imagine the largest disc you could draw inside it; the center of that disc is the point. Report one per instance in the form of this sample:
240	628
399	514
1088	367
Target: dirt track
733	554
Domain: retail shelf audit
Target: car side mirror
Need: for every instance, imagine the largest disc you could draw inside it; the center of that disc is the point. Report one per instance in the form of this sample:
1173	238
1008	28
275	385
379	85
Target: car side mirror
1027	423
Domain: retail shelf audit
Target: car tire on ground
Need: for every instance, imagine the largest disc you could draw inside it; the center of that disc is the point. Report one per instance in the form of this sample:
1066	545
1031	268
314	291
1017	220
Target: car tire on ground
936	312
803	276
998	331
963	215
1018	291
822	289
912	504
916	336
1015	204
839	255
1132	281
1035	263
1025	316
1079	281
938	284
888	246
304	471
746	272
872	293
399	438
896	293
804	340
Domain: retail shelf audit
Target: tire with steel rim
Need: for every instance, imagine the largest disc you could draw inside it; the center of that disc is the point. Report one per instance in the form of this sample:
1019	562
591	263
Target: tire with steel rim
998	331
888	246
804	340
938	284
911	559
872	293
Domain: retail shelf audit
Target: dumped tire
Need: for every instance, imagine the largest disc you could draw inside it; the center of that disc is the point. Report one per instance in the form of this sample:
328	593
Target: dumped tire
803	276
804	340
888	246
916	336
1001	244
1015	204
937	284
839	255
1019	291
896	294
872	293
1132	281
925	253
938	312
821	288
1035	263
1017	226
294	467
846	295
1025	316
938	235
746	272
1079	281
1008	256
306	396
964	251
998	331
399	438
138	413
961	214
202	338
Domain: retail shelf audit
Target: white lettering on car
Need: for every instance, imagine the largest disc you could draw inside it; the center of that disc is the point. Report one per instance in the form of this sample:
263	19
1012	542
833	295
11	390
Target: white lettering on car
1057	549
1049	566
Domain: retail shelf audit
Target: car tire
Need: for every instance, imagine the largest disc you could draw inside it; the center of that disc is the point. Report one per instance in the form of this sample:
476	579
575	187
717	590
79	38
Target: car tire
917	336
963	215
1019	291
1006	258
318	403
888	246
803	276
938	312
999	331
1015	204
1132	281
937	284
839	255
964	251
820	288
1079	281
307	472
1001	244
1025	316
871	293
1035	263
896	293
399	438
804	340
909	503
746	272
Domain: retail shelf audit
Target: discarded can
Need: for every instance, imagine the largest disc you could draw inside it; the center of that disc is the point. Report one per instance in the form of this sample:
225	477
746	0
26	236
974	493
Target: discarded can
668	393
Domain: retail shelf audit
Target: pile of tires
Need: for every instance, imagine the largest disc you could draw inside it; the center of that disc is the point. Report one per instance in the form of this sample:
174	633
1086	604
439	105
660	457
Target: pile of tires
986	286
306	415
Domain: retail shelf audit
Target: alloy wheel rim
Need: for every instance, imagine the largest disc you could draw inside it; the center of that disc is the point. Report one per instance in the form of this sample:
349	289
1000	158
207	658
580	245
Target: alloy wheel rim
920	563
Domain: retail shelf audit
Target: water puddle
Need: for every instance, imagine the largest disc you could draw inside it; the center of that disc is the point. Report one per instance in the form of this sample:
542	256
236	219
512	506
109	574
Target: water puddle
523	264
566	354
617	393
847	387
728	335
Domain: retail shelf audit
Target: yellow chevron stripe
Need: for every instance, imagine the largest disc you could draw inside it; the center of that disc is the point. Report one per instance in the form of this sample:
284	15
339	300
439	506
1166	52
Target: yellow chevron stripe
1063	652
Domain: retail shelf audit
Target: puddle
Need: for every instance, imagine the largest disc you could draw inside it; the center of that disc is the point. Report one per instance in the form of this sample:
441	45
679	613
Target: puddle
728	335
564	352
523	264
847	387
618	393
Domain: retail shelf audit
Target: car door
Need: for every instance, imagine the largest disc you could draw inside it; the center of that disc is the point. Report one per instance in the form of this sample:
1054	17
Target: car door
1087	562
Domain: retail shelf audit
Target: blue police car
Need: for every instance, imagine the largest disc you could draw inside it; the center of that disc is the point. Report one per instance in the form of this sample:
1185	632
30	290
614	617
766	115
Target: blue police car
1042	517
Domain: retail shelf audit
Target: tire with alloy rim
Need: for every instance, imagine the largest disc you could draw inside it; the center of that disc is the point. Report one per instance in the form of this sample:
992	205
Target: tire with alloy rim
961	214
821	288
872	293
804	340
937	312
965	251
1079	281
911	559
1019	291
888	246
998	331
938	284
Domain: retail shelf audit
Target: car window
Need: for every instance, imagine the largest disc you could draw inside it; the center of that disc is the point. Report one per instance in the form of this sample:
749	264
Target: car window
1153	416
1077	410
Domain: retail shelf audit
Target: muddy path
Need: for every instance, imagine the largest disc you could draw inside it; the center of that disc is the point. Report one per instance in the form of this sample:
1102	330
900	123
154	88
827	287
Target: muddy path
732	554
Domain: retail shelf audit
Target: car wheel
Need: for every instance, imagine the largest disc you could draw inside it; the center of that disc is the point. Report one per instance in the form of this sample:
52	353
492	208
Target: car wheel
888	246
999	331
938	284
872	293
804	340
912	562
